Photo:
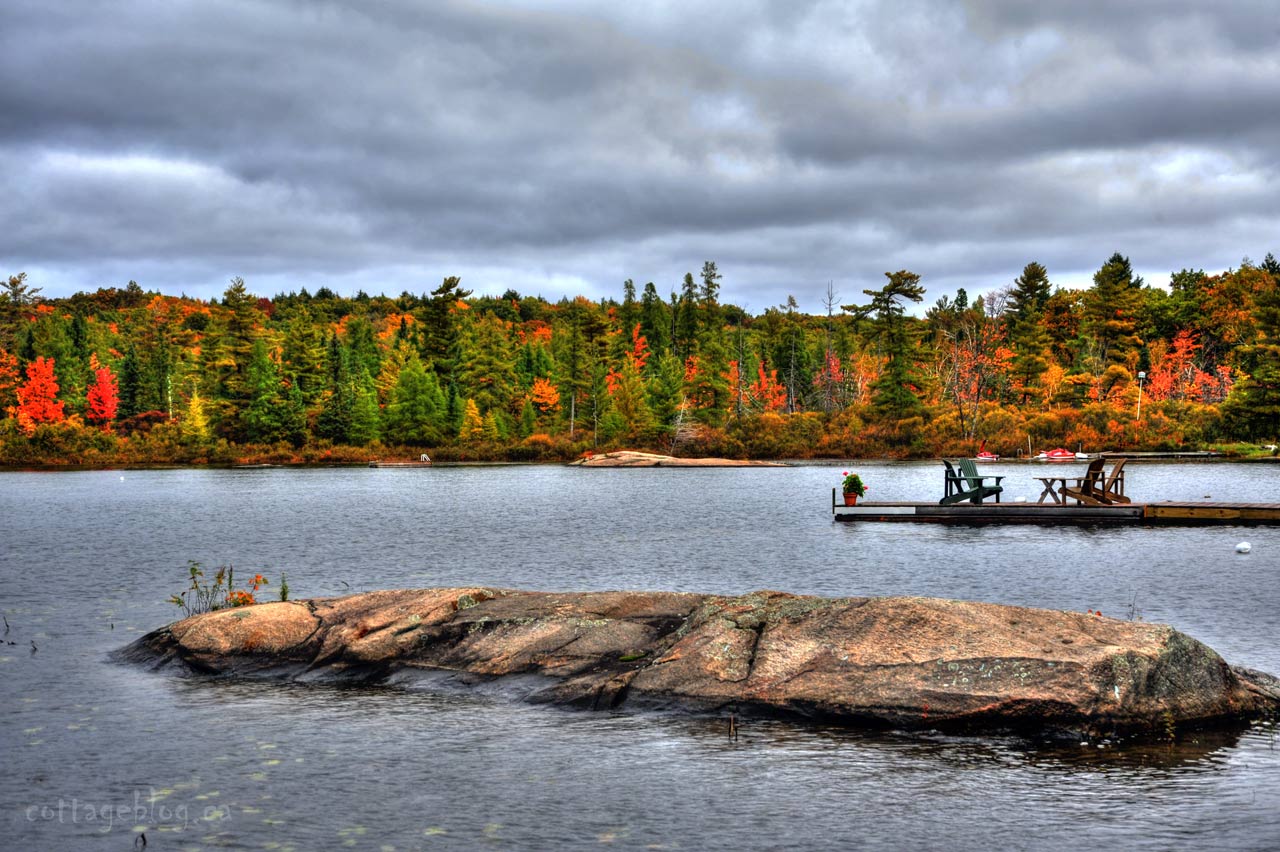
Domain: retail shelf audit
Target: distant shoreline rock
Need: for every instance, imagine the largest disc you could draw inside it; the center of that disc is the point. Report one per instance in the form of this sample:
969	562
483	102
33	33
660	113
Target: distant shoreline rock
632	458
898	662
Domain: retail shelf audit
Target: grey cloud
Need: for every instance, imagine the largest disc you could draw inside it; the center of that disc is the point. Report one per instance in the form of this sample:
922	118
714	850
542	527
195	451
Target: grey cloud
572	144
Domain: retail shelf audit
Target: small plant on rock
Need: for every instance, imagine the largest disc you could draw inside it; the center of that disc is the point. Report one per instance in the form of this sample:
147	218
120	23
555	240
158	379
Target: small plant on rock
219	592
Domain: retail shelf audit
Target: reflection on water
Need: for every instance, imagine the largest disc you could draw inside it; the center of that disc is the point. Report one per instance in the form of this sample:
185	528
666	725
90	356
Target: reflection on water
88	559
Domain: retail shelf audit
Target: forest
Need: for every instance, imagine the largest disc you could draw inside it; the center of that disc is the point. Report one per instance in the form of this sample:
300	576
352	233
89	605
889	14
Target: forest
129	376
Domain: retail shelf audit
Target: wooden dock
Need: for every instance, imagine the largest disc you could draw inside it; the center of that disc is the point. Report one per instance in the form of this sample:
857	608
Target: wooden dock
1119	514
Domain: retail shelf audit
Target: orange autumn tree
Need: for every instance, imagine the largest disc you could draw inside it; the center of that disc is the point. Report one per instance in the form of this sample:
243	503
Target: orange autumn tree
38	397
103	398
544	395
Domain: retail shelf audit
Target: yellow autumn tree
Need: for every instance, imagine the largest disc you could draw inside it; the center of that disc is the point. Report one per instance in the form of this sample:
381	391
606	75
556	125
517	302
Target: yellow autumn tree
472	423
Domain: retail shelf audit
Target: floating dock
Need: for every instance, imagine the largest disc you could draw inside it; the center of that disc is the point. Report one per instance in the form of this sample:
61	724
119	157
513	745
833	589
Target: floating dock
1117	514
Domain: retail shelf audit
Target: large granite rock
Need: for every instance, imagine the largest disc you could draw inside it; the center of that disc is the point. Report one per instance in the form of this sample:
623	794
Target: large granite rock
897	662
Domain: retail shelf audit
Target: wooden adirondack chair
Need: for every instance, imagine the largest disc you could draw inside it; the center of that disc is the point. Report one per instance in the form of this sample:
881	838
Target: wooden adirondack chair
1088	488
968	484
1096	489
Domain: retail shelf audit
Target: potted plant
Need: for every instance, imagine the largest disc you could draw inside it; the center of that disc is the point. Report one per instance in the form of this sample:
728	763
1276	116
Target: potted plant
853	488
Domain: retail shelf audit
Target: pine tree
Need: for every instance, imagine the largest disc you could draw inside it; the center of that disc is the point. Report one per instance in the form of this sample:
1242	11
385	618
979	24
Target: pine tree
1029	295
894	393
654	321
685	341
528	419
366	418
1111	308
1253	408
336	412
439	330
130	384
275	412
416	412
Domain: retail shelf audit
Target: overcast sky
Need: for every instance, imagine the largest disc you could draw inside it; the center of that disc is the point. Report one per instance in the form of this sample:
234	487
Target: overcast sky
559	147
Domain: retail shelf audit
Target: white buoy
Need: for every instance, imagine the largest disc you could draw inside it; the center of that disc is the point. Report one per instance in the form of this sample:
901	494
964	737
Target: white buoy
122	479
1243	547
1020	499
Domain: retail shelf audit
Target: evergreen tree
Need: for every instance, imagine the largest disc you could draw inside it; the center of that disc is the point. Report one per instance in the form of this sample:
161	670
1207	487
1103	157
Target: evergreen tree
337	409
894	393
303	356
275	412
366	418
488	376
416	413
230	360
1030	294
528	419
1030	342
685	342
1253	408
130	385
710	297
1111	309
440	330
654	321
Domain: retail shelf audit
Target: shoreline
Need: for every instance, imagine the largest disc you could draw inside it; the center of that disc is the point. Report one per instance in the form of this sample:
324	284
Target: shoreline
678	462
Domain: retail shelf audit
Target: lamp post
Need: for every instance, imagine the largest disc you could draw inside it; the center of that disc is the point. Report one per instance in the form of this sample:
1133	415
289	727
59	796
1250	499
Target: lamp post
1142	377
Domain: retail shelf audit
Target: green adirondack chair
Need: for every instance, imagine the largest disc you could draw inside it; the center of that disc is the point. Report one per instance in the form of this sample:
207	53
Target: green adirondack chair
968	484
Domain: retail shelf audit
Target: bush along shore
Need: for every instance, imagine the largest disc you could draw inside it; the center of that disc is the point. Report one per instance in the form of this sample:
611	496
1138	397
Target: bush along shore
127	376
896	662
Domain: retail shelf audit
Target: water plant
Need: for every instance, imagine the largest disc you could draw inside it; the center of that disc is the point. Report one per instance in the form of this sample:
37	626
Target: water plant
219	592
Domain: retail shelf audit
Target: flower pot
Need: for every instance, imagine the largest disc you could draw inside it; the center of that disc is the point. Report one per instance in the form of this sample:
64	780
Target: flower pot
851	499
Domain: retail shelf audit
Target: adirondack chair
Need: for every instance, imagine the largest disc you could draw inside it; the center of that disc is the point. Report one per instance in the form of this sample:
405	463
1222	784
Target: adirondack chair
968	484
1089	488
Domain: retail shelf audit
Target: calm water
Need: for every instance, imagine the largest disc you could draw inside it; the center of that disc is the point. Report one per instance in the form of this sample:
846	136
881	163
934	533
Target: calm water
94	751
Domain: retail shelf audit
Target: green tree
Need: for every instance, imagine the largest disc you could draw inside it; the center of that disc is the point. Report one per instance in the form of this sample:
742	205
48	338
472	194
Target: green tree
366	418
275	411
440	329
1111	311
1030	294
655	322
1253	408
895	392
416	413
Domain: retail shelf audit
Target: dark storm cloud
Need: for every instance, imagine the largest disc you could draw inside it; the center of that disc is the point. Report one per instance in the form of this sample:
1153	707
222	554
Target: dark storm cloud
560	147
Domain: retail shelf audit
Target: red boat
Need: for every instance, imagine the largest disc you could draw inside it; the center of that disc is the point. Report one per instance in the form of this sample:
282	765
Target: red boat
984	456
1058	454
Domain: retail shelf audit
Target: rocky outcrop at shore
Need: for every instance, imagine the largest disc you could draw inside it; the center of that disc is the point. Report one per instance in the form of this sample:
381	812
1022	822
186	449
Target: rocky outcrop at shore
897	662
631	458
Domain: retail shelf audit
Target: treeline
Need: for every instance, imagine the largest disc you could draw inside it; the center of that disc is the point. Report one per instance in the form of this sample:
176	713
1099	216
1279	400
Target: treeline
124	375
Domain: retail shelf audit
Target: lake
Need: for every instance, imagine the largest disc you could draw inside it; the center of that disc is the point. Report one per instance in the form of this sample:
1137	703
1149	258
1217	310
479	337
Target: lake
95	752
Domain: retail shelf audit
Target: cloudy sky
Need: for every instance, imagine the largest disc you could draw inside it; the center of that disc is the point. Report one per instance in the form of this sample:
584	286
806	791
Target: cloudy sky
561	146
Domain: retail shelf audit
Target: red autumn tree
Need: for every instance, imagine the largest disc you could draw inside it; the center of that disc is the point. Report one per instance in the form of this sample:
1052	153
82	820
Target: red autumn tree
103	398
768	390
38	397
